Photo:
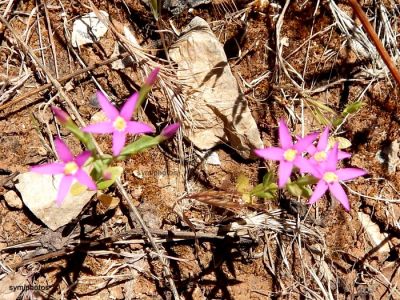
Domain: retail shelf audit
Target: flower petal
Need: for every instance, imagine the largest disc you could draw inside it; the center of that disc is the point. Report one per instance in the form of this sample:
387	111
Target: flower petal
271	153
101	127
62	150
332	159
138	127
306	166
170	130
153	76
63	189
52	168
311	149
349	173
284	171
343	155
82	158
61	115
323	140
129	107
119	139
319	191
337	191
285	138
303	143
85	179
110	111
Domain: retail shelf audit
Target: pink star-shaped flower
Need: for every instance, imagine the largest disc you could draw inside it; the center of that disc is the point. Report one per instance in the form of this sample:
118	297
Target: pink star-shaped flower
70	166
119	123
329	178
289	154
319	153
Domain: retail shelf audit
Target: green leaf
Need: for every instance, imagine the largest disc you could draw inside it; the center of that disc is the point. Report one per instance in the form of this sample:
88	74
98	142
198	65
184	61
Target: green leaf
115	173
352	108
154	8
308	179
267	189
139	145
301	187
336	122
298	190
268	179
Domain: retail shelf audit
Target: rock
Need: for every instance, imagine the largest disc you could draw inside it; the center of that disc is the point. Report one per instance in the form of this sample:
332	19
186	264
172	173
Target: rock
213	159
88	29
393	156
98	117
39	194
13	199
216	108
374	233
118	49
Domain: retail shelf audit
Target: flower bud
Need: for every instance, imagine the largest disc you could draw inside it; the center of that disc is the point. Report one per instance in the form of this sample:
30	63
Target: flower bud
152	77
61	115
170	130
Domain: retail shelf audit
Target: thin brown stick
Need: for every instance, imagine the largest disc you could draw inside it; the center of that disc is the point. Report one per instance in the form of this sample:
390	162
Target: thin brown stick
62	79
121	189
375	39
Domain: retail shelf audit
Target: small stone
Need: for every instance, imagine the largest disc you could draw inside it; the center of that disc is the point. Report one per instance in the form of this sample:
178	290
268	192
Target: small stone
13	199
88	29
98	117
213	159
138	174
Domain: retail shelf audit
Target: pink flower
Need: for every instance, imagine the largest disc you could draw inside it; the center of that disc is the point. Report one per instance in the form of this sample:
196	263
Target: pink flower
289	155
329	178
319	153
170	130
120	123
153	76
70	166
61	115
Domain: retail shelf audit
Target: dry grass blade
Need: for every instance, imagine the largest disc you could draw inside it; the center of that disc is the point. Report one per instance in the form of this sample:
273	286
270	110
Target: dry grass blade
222	199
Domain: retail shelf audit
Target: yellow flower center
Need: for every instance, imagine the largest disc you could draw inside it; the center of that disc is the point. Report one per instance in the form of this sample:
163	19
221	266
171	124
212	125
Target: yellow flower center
290	154
320	156
70	168
330	177
119	124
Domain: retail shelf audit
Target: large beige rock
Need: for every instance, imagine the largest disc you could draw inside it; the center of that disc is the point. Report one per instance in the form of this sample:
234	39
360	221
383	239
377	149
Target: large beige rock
216	109
39	193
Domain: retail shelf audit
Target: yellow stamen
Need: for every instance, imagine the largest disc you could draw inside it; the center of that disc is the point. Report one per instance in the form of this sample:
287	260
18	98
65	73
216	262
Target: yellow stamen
119	124
320	156
70	168
290	154
330	177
